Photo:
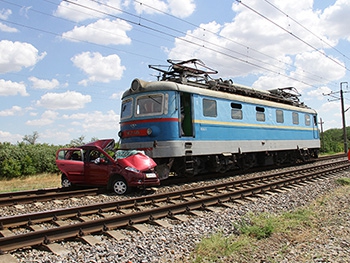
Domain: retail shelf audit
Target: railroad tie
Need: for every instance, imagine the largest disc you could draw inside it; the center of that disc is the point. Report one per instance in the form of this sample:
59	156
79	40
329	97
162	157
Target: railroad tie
56	249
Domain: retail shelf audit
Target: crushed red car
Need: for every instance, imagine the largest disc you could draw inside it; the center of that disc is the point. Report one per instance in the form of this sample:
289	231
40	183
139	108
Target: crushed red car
93	165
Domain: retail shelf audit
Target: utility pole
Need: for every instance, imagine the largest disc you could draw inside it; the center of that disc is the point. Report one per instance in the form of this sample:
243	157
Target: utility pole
321	123
343	116
342	112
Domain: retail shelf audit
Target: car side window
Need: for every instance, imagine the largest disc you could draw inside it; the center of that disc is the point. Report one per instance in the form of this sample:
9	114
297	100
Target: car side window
76	156
97	157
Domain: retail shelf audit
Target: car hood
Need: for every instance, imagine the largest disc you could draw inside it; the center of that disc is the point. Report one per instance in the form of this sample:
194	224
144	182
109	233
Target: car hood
106	144
139	161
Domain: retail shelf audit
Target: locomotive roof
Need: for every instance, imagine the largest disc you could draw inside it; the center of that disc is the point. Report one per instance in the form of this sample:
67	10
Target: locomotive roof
140	86
194	74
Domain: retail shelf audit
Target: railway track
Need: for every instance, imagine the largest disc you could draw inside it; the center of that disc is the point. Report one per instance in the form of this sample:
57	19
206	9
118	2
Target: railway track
25	197
31	196
44	228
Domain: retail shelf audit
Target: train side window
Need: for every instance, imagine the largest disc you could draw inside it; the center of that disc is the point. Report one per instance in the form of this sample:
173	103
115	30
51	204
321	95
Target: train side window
260	113
279	116
209	108
236	111
149	104
307	120
126	109
295	118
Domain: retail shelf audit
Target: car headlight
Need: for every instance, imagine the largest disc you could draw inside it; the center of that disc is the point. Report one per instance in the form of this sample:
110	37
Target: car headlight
132	169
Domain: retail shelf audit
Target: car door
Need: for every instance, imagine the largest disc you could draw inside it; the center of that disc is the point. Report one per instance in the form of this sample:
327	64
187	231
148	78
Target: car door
70	162
96	168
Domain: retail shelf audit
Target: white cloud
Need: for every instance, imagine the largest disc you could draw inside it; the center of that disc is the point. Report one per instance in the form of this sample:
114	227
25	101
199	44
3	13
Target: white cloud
98	67
327	68
61	137
116	96
144	6
319	93
96	120
6	28
69	100
10	137
250	45
16	55
104	32
9	88
81	10
336	19
11	112
179	8
4	15
44	83
47	118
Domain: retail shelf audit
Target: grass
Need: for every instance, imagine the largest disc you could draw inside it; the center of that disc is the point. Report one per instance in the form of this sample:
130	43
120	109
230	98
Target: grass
254	229
343	181
31	182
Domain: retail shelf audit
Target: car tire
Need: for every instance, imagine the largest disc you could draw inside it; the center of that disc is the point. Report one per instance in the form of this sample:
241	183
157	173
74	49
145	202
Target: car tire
65	183
120	186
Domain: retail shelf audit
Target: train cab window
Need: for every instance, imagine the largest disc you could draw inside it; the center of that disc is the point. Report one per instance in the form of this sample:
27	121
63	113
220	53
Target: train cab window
307	120
126	109
279	116
209	108
295	118
151	104
236	111
260	113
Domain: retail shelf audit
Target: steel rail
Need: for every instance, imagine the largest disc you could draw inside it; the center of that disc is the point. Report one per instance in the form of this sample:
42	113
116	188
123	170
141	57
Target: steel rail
29	196
23	197
169	210
53	215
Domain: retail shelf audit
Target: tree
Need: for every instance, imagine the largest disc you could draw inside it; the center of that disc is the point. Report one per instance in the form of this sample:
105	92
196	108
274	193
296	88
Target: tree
31	139
79	141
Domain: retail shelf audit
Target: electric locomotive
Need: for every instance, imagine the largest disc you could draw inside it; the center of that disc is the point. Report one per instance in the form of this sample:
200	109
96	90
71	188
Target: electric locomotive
190	123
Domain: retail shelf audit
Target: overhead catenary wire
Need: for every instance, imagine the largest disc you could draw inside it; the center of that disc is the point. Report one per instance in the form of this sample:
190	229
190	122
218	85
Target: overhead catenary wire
233	41
138	23
209	46
292	34
308	30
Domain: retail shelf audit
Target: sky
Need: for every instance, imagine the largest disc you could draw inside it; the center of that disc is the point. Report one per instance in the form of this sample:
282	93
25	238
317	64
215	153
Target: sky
65	64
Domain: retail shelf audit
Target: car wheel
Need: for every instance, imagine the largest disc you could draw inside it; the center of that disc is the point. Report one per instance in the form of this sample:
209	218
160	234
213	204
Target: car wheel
120	187
65	182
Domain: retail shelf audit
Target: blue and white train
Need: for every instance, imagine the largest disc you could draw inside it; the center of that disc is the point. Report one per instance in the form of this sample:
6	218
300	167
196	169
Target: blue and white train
190	123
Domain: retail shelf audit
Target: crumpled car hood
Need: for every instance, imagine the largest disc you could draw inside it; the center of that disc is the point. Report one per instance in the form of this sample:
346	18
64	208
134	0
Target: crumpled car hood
139	161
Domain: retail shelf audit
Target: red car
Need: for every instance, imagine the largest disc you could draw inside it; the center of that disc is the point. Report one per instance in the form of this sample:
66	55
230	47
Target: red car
91	164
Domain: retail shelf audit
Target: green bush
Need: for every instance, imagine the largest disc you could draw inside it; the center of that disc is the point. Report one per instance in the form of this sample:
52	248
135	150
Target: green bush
27	159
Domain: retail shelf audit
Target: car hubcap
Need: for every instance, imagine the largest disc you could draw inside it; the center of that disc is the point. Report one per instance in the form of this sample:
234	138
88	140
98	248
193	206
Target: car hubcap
66	183
120	187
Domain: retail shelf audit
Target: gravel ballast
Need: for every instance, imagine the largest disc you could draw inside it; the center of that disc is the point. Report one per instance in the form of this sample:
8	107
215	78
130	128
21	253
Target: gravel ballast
325	243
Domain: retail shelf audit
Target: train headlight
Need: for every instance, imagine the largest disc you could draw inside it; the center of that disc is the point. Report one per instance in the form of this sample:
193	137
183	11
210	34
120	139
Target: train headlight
149	131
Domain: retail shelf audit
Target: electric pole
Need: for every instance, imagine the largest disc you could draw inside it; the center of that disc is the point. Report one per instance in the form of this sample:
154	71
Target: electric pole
343	116
342	112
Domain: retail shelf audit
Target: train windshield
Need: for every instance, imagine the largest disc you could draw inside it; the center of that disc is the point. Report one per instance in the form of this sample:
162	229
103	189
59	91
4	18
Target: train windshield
150	104
126	111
